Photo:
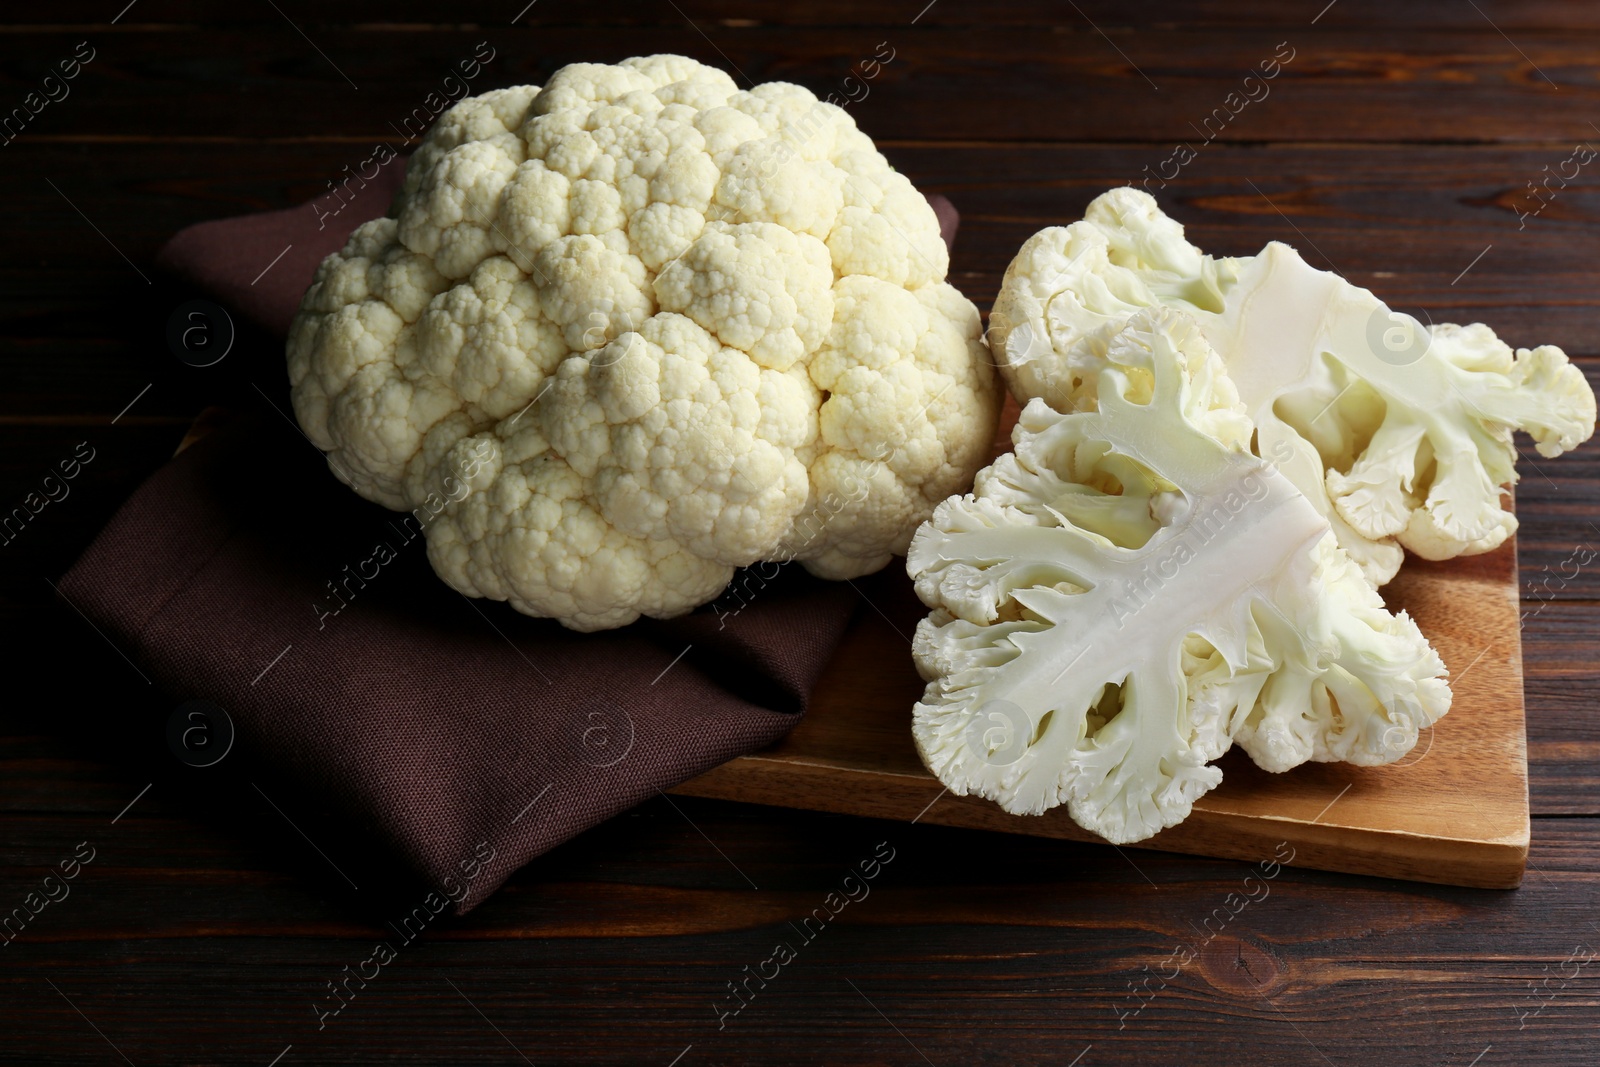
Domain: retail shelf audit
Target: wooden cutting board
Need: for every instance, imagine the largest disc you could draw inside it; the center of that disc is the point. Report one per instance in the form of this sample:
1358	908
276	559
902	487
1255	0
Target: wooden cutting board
1454	811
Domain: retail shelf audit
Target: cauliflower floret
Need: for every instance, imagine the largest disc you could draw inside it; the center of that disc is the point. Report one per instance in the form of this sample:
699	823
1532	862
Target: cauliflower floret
1399	433
1127	593
757	286
639	328
493	117
891	429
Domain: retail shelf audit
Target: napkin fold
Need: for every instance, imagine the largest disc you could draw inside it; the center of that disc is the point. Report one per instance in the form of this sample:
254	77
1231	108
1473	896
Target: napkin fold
461	737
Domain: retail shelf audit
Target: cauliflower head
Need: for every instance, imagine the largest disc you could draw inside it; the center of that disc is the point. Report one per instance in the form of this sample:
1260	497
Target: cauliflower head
626	333
1131	591
1400	433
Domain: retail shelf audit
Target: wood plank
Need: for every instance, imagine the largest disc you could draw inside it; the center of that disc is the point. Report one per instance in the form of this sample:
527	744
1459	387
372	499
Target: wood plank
1562	671
1068	83
1437	15
975	944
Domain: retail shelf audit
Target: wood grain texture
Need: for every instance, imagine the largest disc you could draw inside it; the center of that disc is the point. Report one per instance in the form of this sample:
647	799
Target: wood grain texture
1204	15
981	82
207	925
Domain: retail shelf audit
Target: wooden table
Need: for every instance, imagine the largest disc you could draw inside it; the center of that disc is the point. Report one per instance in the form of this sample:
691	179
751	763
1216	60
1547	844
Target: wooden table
1397	142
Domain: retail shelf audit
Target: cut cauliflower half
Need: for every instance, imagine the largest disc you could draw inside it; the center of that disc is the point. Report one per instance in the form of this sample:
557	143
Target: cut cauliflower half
1413	423
1400	433
633	330
1128	593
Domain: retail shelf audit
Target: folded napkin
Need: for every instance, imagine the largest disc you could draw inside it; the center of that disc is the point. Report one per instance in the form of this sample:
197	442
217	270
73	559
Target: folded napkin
447	730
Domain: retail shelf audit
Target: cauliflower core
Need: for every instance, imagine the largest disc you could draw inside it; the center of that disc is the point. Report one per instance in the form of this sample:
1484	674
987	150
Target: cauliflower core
1131	591
629	332
1400	433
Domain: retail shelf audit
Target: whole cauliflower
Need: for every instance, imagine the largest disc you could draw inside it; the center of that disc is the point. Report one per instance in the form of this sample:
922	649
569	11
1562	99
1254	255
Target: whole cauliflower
1131	591
1400	433
629	332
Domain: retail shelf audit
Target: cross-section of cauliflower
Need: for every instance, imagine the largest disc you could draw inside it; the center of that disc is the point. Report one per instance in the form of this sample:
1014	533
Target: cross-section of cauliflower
629	332
1399	432
1131	591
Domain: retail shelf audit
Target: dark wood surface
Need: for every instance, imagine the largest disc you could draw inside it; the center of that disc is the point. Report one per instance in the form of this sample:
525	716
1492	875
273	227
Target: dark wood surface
1398	142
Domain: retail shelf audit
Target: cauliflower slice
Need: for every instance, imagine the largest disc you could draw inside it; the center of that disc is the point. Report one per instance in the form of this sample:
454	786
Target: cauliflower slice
1400	434
1435	409
1129	592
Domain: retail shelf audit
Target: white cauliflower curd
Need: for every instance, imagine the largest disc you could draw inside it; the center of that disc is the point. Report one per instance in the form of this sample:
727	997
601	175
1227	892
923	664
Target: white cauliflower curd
636	329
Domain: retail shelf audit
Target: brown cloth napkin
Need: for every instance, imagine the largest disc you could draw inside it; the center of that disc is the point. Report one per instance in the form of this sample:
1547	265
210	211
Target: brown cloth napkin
447	730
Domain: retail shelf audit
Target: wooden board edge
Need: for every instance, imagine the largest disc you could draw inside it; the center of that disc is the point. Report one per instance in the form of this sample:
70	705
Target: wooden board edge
1472	863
